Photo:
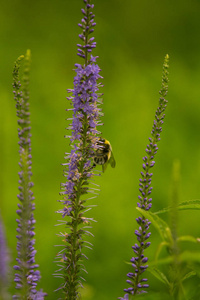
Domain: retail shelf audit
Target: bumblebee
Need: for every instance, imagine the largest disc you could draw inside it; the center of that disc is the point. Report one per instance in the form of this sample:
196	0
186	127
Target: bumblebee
104	155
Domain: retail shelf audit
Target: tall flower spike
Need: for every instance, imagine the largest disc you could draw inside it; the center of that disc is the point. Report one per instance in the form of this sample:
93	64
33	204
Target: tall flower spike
85	100
27	274
4	259
137	283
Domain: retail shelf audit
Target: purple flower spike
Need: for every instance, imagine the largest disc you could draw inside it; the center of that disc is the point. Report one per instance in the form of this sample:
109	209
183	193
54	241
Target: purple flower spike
27	276
85	101
4	260
86	24
145	190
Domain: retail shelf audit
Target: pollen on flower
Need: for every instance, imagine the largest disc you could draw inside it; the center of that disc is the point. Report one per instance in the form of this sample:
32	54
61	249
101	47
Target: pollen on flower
85	220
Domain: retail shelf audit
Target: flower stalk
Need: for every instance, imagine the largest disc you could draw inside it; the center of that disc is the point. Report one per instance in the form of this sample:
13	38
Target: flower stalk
27	275
85	102
135	279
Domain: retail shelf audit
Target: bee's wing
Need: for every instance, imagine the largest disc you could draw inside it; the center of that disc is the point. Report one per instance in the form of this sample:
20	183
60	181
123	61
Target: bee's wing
104	166
112	161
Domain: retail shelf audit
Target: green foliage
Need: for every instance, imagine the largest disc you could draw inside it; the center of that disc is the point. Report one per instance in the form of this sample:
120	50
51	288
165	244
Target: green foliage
159	224
159	275
186	205
179	263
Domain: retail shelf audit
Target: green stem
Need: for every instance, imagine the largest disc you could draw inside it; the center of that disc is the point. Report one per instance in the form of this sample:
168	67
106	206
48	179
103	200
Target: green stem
73	291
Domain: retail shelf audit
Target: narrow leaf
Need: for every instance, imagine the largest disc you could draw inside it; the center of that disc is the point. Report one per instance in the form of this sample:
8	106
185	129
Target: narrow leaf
188	275
159	275
188	238
163	261
158	223
159	249
190	256
186	205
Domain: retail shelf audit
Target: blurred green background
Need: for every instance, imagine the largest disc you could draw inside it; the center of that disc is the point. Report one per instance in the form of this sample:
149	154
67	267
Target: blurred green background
132	39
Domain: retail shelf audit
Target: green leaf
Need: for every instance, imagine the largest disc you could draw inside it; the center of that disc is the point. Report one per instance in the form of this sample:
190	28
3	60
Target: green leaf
188	238
188	275
186	205
190	204
159	275
159	224
189	256
196	268
159	249
163	261
186	256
